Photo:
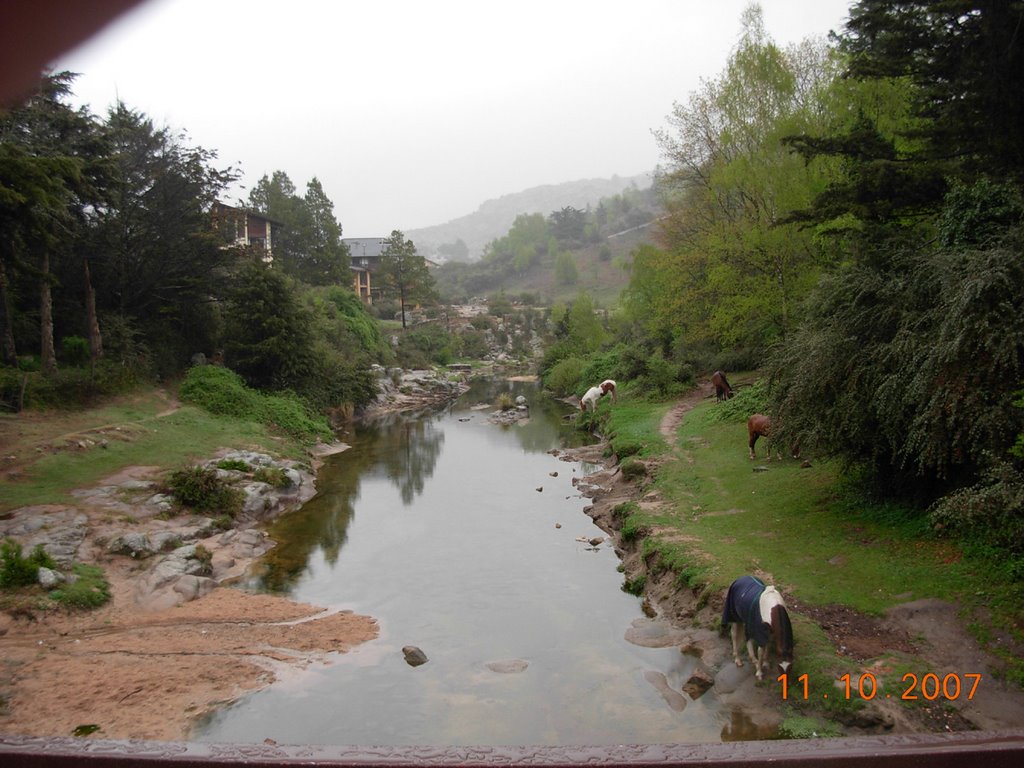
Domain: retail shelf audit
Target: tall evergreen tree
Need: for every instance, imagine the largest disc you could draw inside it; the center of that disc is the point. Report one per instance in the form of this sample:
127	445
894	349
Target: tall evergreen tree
328	258
912	352
403	273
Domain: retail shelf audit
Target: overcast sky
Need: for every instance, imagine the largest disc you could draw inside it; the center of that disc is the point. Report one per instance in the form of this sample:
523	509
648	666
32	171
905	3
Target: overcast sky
414	112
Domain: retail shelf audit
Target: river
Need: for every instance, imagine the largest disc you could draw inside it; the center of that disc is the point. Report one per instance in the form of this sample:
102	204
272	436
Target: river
466	539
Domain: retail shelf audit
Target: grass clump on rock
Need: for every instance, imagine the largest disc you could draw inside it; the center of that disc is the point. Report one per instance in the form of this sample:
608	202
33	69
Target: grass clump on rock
89	588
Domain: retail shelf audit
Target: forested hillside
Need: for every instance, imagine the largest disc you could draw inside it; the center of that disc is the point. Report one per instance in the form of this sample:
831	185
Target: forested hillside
554	256
465	238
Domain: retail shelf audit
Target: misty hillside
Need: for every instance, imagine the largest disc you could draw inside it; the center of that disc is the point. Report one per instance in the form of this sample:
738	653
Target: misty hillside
494	218
549	258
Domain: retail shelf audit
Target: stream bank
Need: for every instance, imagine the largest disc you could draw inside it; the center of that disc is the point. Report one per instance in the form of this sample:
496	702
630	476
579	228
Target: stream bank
929	631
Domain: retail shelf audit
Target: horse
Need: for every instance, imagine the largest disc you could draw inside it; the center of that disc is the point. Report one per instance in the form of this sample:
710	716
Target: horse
608	387
758	425
591	398
722	389
760	610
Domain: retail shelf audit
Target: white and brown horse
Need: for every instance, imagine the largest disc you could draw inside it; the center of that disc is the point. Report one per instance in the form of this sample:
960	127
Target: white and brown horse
608	388
761	612
589	400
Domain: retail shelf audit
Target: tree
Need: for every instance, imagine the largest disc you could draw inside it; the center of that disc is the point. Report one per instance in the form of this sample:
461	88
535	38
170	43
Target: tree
584	331
568	225
403	273
45	147
965	59
157	260
268	335
328	258
276	198
911	353
729	186
308	245
457	251
565	269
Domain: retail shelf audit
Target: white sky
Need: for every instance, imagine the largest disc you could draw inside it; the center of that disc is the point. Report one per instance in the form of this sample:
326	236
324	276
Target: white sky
414	112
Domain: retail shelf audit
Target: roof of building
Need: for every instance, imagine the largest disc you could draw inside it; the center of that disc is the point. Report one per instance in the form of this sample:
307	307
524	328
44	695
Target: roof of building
362	247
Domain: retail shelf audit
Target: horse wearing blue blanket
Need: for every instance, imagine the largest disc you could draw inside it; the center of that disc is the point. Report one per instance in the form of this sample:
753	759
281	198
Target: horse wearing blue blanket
758	609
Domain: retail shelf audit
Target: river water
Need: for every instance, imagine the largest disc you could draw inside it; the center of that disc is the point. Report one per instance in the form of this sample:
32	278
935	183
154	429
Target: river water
462	537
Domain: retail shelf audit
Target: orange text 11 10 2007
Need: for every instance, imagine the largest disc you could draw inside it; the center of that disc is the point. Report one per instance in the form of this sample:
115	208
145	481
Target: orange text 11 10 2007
928	687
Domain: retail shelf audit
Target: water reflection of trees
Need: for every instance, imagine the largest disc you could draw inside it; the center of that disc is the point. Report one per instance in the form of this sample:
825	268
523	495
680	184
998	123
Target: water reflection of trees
322	523
403	448
408	449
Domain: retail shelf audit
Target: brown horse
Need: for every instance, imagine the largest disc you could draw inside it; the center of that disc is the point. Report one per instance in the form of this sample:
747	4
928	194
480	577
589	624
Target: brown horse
722	389
758	425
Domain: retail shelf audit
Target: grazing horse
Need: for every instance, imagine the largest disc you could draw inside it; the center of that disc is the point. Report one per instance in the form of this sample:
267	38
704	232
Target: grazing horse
758	425
722	389
591	398
758	609
608	387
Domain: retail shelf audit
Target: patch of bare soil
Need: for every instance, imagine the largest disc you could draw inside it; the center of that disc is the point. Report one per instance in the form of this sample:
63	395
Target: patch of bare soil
931	633
150	675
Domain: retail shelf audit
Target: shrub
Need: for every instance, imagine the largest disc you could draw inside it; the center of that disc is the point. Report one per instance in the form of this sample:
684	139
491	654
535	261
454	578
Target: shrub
219	390
205	558
472	344
660	376
202	489
19	571
274	476
991	512
633	530
606	365
635	586
287	412
74	350
565	376
68	388
752	399
424	346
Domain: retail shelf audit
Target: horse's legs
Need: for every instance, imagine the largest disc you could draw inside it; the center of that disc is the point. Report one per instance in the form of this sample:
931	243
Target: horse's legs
759	659
753	440
735	630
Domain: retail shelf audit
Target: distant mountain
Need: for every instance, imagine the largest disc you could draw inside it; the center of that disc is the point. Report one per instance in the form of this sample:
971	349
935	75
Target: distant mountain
494	218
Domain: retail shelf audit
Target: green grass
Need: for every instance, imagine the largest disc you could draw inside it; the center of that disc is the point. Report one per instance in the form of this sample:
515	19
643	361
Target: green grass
632	427
790	523
809	532
183	437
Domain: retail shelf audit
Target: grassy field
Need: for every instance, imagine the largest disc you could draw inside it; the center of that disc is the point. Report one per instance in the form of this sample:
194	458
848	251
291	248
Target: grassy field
803	528
47	455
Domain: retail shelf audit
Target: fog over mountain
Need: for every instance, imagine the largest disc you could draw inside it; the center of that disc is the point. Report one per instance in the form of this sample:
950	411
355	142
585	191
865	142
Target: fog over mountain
495	217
